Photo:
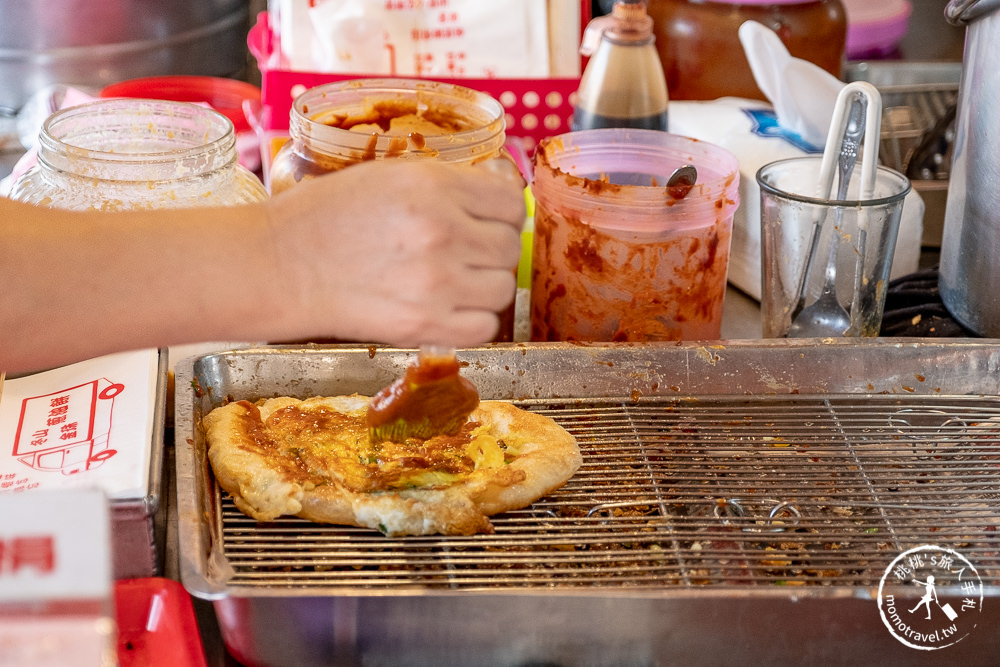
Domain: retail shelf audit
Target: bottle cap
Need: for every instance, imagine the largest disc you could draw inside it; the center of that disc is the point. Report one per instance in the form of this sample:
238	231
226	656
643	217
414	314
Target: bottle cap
627	22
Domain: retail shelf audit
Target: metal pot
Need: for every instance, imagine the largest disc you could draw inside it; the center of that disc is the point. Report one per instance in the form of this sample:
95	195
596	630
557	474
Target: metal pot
970	245
92	44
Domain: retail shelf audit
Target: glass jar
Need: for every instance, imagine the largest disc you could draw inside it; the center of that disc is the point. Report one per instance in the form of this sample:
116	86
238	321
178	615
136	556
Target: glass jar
119	154
339	124
701	52
335	125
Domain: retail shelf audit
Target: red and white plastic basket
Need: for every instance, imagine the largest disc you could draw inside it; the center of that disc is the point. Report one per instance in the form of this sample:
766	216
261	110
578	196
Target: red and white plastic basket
535	108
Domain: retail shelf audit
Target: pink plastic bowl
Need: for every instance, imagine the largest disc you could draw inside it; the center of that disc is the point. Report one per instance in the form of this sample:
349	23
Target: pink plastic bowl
226	96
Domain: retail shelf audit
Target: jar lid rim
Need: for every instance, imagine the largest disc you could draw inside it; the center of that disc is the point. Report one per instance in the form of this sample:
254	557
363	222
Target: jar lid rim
312	107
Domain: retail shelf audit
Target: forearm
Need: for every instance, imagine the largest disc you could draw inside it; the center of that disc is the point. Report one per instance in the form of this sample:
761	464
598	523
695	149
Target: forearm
84	284
335	257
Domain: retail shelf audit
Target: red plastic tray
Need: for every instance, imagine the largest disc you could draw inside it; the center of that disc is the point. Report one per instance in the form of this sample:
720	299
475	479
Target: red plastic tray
156	624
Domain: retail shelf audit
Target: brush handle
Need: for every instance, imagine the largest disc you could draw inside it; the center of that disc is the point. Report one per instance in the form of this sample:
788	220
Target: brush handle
437	351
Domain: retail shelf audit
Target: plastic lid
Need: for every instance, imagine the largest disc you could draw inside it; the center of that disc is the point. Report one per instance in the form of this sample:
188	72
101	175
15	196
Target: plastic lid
627	22
631	21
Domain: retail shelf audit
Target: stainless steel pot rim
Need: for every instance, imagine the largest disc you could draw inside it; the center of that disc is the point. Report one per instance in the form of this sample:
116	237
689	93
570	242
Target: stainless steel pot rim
963	12
100	51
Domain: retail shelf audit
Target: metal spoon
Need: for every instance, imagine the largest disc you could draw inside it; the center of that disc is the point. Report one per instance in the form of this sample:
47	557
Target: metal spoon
681	181
825	316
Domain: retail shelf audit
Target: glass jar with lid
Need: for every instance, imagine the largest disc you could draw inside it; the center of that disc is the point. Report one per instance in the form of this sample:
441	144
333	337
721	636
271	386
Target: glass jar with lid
336	125
701	52
120	154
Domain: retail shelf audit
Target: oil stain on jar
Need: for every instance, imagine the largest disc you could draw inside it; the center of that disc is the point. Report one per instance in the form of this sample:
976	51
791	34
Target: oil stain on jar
617	255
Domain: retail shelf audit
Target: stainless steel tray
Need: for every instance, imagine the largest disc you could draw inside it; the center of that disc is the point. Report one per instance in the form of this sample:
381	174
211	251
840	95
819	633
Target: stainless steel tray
138	535
740	498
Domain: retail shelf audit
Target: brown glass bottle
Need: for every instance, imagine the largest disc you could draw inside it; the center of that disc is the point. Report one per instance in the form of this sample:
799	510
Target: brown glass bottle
703	58
623	84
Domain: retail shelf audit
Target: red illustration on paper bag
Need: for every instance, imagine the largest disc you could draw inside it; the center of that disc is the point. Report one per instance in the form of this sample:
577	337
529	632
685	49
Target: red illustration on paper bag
67	431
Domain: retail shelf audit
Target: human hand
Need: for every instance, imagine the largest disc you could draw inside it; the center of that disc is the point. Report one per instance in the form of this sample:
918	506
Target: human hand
400	252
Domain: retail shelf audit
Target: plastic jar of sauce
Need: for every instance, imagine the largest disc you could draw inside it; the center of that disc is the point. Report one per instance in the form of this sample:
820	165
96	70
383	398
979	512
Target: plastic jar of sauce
620	256
335	125
120	154
703	58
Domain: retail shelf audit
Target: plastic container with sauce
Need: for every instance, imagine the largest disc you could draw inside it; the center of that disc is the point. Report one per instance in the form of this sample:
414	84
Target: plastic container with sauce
120	154
703	58
336	125
617	256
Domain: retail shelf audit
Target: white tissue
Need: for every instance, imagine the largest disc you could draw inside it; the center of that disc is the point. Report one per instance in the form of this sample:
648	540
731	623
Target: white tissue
802	94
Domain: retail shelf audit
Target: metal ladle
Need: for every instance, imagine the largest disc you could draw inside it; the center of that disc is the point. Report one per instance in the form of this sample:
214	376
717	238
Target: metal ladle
826	316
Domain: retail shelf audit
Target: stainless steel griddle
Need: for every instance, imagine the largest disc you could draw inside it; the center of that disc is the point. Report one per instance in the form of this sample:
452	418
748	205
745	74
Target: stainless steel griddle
732	497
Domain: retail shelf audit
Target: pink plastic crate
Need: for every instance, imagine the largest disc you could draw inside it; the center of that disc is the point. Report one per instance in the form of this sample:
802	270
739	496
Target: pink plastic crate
536	108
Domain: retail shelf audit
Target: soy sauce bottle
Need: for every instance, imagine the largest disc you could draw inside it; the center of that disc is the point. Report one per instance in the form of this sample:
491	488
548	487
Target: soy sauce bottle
623	84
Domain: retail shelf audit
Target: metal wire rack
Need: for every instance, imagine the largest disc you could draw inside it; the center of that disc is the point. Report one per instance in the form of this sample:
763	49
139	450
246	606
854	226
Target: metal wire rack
822	490
915	98
909	114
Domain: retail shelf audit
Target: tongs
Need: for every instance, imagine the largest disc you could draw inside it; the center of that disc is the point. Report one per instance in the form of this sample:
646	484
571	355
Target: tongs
857	115
857	90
